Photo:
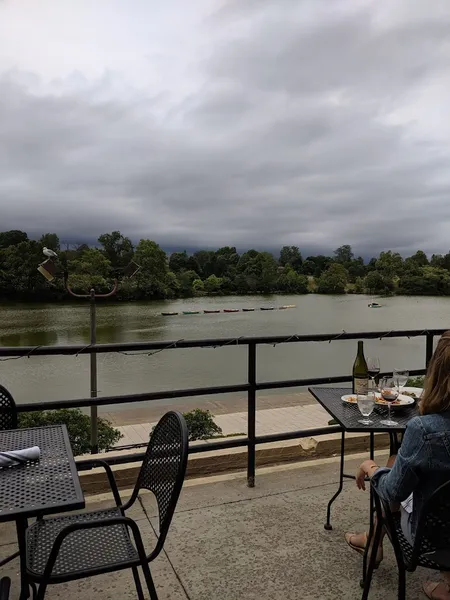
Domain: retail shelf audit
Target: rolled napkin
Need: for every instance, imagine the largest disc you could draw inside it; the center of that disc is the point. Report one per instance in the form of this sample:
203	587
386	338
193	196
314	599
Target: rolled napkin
18	457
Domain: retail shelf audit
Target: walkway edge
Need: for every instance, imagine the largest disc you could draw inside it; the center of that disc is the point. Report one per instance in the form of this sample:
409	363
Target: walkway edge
220	461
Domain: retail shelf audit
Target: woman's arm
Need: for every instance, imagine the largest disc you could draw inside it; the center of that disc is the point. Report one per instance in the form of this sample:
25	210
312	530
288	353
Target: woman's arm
396	484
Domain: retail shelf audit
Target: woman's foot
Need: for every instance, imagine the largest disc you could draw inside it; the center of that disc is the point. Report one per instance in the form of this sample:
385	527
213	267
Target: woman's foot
358	542
436	590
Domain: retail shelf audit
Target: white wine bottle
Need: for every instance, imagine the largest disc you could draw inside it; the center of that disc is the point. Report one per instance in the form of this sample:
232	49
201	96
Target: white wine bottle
360	372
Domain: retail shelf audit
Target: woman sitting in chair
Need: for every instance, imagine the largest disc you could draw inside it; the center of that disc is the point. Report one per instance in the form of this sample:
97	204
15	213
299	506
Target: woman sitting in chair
422	464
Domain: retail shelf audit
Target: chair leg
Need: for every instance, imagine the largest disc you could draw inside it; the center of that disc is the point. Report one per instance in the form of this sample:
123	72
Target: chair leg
149	581
373	556
41	591
137	582
5	561
401	583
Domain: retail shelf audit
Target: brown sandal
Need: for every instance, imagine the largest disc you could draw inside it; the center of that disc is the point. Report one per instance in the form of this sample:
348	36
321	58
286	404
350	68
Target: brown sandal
362	549
430	587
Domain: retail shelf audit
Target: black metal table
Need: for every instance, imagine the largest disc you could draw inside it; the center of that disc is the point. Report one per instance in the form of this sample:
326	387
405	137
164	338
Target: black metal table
348	415
37	488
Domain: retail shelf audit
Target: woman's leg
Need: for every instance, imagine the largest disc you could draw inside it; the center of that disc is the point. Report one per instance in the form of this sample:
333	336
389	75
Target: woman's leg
358	541
438	590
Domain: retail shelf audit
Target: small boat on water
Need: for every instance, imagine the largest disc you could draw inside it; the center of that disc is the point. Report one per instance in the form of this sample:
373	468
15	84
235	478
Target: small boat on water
230	310
374	305
267	307
248	310
191	312
211	312
169	314
287	306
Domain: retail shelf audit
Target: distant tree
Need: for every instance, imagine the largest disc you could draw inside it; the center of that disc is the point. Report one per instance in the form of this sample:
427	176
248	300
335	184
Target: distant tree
206	260
377	283
432	281
117	248
178	261
291	282
91	269
186	280
322	263
334	280
152	277
343	255
50	240
198	287
389	263
290	255
12	238
213	285
356	268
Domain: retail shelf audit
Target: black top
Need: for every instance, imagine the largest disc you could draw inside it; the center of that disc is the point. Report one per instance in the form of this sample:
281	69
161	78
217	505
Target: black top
45	486
348	415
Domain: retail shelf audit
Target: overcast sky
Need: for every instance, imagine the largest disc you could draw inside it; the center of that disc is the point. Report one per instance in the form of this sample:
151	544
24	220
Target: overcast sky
243	122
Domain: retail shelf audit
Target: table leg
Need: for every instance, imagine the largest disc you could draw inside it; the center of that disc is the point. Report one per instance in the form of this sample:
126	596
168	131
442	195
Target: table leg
371	523
21	527
328	525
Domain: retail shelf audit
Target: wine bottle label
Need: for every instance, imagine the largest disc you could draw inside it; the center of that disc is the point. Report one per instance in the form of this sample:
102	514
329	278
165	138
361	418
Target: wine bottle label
361	385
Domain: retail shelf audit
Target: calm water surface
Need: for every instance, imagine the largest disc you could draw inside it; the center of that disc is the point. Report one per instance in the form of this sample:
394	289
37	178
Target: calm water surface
38	379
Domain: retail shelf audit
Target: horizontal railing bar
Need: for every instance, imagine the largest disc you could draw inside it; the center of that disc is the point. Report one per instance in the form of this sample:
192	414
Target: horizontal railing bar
186	393
232	443
131	398
77	349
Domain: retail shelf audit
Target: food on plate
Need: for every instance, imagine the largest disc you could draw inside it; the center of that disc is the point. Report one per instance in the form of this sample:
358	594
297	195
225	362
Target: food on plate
383	401
410	394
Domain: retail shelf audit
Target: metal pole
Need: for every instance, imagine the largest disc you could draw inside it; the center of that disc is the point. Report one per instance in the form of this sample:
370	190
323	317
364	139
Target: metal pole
94	409
429	349
251	415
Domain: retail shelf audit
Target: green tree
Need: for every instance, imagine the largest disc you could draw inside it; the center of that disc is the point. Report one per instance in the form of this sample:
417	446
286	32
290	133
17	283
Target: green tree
321	263
356	268
91	269
334	280
291	282
12	238
152	277
389	263
377	283
432	281
186	280
344	255
290	255
213	285
117	248
50	240
198	287
178	261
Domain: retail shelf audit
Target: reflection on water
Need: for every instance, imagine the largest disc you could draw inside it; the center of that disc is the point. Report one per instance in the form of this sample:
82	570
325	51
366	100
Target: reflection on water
55	378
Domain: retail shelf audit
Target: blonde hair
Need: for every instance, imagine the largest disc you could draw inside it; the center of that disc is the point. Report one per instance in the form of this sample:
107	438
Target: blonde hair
436	394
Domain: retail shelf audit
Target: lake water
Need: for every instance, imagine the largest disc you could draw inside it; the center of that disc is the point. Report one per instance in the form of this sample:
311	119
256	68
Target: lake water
38	379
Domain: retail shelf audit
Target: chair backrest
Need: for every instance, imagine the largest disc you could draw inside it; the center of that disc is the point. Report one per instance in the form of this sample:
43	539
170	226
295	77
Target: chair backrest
432	539
8	411
164	467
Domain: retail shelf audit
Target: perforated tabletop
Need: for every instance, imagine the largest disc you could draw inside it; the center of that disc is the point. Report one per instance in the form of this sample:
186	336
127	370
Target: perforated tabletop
46	486
348	415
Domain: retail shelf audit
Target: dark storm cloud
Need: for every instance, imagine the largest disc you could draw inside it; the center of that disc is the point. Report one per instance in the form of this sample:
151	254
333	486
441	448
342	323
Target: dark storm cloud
313	123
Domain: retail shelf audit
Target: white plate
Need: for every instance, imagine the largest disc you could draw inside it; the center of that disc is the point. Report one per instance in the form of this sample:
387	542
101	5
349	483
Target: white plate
399	403
413	390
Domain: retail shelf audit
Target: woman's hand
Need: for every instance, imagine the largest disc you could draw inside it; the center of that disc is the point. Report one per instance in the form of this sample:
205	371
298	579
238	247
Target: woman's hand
366	469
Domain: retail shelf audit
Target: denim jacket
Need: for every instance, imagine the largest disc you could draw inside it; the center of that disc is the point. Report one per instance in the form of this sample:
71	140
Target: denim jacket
421	466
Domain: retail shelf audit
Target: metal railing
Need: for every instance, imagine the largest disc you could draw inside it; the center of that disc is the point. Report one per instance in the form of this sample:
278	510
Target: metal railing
251	387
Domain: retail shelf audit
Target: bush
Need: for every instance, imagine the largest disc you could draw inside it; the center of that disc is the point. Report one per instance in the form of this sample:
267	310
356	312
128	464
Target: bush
201	425
78	426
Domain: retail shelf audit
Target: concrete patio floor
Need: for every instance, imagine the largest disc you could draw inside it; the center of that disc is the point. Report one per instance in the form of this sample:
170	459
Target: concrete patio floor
229	542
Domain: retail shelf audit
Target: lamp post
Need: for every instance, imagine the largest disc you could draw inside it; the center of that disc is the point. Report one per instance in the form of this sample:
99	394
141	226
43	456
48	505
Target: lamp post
93	356
49	270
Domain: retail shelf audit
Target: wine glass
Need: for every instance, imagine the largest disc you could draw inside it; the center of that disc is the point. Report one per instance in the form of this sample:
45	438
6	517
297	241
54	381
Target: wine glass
389	393
401	377
365	405
373	369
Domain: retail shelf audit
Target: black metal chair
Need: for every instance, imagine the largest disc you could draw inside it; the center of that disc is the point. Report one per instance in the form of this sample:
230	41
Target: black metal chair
431	544
76	546
8	420
8	410
5	584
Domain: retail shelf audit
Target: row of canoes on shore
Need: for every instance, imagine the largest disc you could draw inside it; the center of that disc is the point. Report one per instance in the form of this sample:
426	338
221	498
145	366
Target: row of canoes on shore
225	310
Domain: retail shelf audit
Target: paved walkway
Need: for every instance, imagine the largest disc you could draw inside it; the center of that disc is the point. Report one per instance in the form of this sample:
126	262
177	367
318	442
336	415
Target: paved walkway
271	420
229	542
233	403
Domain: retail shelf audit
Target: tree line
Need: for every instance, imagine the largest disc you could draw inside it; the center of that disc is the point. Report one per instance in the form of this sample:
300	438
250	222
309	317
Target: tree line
209	272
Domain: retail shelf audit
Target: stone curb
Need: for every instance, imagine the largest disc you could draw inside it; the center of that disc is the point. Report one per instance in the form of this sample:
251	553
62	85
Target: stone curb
234	459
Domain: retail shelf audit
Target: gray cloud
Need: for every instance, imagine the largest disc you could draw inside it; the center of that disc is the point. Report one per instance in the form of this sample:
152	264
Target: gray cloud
311	123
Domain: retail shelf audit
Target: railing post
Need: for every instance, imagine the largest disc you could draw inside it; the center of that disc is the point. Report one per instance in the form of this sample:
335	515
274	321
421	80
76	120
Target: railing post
251	415
94	409
429	349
